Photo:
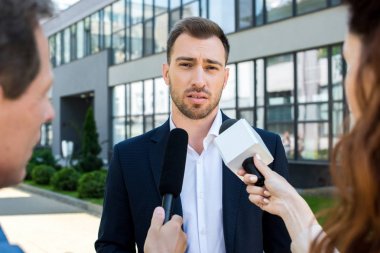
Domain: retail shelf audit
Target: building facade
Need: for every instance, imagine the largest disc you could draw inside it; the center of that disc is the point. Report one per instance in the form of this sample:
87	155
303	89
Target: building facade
286	71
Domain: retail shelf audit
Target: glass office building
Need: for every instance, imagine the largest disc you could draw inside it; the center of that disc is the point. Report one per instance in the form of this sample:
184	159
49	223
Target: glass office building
286	71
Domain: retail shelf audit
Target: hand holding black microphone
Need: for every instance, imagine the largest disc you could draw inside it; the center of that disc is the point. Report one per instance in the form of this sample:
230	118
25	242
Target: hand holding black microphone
165	234
173	169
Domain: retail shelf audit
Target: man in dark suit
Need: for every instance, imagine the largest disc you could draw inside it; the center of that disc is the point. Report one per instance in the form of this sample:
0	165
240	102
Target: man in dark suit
217	214
25	80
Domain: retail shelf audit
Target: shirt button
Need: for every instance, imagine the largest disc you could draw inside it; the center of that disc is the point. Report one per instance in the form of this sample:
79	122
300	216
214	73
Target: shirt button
200	195
203	231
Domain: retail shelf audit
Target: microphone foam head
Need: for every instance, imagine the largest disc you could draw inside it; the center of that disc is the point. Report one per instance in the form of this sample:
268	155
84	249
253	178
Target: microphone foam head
173	166
226	124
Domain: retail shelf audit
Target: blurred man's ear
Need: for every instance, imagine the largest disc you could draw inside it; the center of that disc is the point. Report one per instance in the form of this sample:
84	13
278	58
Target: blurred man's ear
165	73
1	92
226	75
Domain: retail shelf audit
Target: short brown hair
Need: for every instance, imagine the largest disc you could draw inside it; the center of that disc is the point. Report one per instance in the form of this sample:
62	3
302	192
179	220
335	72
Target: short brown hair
19	58
196	27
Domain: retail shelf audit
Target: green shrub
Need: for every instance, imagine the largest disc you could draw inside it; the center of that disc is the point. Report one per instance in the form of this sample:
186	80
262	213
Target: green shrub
91	184
40	156
29	168
88	159
43	156
66	179
89	163
41	174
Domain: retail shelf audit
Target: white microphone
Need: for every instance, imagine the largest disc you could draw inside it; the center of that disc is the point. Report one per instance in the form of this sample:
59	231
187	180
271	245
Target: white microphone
237	143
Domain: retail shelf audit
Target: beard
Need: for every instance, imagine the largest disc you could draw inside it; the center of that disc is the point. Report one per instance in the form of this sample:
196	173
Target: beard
194	111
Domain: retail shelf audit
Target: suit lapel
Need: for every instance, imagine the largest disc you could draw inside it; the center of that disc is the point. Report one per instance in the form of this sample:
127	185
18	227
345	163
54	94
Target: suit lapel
232	189
156	157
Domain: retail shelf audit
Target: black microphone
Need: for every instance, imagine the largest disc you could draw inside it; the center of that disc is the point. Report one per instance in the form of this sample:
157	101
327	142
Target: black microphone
248	163
173	169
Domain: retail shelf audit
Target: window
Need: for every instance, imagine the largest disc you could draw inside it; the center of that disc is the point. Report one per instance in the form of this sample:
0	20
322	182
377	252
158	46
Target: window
58	55
190	10
312	140
148	37
52	47
73	41
118	100
148	105
148	9
136	41
161	32
137	13
66	45
304	6
338	109
259	12
280	99
246	84
95	33
46	138
160	6
118	113
161	96
298	95
280	80
118	15
137	119
175	16
87	36
107	27
312	76
228	100
260	93
223	14
245	18
118	42
278	9
80	39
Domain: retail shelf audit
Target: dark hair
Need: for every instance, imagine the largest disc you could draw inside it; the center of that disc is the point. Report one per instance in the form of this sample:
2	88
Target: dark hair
196	27
19	57
354	224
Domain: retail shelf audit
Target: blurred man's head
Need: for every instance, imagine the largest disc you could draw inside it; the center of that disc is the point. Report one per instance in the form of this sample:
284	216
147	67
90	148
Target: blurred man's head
25	79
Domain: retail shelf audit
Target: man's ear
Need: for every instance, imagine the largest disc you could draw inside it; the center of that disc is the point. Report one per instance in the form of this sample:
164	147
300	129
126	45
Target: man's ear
2	95
226	75
165	73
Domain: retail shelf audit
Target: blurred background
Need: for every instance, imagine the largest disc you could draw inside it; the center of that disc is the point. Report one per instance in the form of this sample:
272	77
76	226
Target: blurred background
286	72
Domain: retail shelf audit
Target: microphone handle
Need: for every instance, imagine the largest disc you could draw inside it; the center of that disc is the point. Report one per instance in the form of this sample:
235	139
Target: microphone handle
167	204
250	167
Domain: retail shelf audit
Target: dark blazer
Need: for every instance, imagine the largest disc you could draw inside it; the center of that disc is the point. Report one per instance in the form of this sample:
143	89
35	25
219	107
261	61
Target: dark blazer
132	194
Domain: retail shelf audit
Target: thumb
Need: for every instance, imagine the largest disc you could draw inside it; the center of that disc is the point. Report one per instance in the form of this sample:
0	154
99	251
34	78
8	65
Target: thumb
261	166
158	218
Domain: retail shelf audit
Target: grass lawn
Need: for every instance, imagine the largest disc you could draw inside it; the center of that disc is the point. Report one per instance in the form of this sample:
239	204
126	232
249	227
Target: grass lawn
97	201
316	203
319	203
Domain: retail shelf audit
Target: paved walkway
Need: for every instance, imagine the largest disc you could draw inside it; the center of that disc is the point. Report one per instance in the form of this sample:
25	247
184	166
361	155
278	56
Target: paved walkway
44	225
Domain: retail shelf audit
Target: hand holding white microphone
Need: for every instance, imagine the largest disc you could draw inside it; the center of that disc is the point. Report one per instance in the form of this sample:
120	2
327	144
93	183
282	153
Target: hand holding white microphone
237	142
278	197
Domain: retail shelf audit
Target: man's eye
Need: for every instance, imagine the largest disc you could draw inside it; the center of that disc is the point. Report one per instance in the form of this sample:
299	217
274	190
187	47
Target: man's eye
187	65
211	68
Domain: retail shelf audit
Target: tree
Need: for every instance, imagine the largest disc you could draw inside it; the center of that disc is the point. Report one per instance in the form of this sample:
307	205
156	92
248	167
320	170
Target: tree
89	160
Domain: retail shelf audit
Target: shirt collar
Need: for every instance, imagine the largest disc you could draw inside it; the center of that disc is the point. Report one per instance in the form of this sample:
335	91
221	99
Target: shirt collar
214	130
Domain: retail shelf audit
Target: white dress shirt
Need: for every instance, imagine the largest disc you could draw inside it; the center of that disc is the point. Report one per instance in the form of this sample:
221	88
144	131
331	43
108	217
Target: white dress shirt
201	195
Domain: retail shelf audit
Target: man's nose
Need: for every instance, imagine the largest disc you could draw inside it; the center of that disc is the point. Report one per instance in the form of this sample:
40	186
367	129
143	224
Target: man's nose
199	78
